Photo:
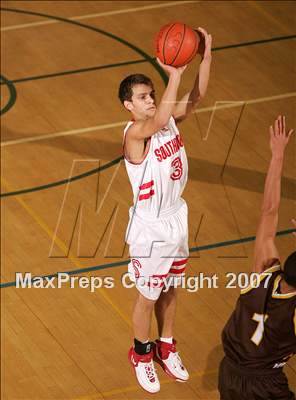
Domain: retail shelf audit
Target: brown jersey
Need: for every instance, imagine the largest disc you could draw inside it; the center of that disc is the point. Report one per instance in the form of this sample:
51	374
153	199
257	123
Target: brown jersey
261	331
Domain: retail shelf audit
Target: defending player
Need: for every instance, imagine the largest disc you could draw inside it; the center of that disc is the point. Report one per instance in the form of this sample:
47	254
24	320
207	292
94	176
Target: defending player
157	233
259	337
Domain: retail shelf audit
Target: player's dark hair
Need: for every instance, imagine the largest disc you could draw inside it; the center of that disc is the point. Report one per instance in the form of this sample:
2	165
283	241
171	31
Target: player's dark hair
290	270
126	86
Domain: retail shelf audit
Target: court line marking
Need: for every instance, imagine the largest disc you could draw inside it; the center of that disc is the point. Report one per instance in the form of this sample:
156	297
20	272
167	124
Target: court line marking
12	94
131	62
103	14
63	247
64	181
109	393
125	262
133	388
122	123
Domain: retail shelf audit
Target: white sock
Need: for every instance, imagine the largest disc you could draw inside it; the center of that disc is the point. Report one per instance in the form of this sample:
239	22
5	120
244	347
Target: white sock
166	340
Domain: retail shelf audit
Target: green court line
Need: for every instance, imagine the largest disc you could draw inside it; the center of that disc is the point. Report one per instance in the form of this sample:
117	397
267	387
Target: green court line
92	28
125	262
147	58
12	94
77	71
99	67
110	35
63	181
255	42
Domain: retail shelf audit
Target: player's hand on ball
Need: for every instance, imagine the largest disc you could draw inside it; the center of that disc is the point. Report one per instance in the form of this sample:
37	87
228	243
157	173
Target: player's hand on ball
279	137
171	70
205	46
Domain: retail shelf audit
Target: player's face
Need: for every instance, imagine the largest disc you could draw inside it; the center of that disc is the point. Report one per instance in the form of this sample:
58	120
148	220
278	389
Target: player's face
143	101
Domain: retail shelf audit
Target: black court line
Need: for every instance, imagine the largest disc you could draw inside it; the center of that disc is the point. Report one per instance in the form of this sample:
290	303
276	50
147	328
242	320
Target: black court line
147	58
97	30
12	94
64	181
117	160
106	66
78	71
125	262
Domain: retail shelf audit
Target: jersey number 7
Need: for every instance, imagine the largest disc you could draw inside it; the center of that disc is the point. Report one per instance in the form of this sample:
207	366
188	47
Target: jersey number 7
258	334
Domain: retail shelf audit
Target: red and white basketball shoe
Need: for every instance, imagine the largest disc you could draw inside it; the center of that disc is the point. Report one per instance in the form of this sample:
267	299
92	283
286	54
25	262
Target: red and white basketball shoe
144	369
169	359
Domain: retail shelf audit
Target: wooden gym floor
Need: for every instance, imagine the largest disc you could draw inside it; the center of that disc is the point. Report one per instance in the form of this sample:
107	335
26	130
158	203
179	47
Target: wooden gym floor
61	66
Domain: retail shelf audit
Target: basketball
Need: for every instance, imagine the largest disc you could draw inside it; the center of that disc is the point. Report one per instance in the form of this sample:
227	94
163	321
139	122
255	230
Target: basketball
176	44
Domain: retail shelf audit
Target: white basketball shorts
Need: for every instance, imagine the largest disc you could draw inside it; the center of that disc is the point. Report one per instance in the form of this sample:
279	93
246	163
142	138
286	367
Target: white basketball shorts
158	249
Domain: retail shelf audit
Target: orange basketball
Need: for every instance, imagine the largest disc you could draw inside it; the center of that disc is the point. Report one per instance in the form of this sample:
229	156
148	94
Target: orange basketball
176	44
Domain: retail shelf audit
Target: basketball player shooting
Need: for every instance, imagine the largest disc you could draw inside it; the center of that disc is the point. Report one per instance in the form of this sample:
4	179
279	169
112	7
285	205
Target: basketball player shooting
259	337
157	233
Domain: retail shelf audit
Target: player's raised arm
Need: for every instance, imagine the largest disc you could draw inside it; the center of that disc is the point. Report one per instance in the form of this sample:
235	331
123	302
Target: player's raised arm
146	127
265	249
189	102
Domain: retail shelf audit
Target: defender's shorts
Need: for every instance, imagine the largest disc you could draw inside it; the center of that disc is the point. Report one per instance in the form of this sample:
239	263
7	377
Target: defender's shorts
158	249
237	384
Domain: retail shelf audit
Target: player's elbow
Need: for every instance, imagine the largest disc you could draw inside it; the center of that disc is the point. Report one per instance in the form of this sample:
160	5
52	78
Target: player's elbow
269	209
200	96
195	103
194	99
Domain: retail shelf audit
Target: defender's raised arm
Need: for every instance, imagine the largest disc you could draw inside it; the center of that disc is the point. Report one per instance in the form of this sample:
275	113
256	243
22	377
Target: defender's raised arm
265	249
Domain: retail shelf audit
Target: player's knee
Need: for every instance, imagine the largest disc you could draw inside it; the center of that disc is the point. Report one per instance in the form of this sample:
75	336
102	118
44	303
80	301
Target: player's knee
145	303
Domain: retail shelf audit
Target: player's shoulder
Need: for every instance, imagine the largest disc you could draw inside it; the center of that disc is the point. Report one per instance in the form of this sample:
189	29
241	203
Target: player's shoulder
128	125
264	278
173	123
276	293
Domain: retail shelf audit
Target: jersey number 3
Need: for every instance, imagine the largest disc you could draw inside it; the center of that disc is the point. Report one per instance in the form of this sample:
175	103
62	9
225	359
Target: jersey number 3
178	169
258	334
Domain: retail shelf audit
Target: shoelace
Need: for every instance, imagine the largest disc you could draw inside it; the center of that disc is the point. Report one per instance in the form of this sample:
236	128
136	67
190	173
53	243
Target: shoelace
150	371
177	360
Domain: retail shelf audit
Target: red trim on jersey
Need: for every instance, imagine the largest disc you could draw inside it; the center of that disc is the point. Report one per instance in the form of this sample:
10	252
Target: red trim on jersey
177	271
146	195
181	262
146	185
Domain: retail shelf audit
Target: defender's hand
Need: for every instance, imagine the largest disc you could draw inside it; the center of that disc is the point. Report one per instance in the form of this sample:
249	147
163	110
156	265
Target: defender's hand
279	138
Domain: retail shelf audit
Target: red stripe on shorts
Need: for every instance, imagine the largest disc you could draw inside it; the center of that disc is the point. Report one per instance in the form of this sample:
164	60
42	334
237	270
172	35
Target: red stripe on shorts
181	262
177	271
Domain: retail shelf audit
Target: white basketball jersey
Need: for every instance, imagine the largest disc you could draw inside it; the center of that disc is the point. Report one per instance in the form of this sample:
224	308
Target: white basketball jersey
159	180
